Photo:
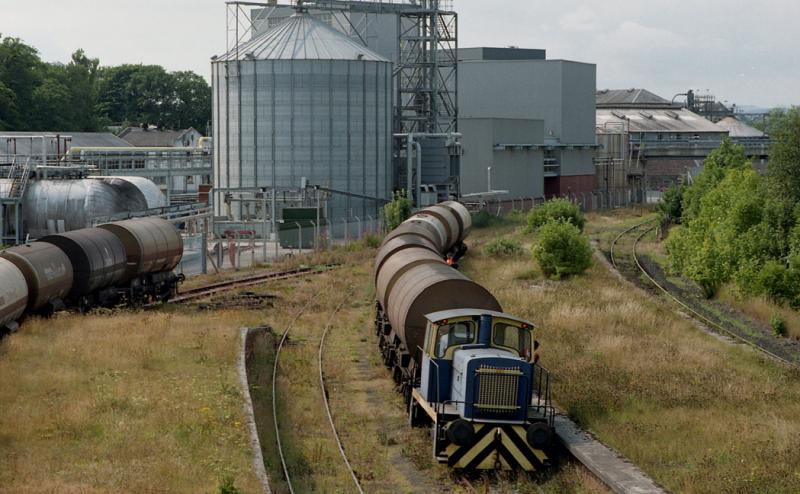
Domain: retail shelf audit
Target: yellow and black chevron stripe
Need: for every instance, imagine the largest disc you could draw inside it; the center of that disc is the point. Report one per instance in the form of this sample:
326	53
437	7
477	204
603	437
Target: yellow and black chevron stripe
497	447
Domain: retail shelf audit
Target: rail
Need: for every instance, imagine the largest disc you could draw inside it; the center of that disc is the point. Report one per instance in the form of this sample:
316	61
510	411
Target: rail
696	314
325	393
223	286
689	309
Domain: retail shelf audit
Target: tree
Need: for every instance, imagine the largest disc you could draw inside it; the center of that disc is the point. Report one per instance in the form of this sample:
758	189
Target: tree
784	156
561	250
671	204
20	74
398	210
556	210
726	156
192	101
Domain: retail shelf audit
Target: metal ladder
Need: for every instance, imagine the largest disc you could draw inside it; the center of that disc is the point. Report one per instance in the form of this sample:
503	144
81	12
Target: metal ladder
12	201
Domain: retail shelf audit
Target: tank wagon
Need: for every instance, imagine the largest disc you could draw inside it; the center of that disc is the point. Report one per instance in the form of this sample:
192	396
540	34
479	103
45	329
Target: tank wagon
464	366
126	262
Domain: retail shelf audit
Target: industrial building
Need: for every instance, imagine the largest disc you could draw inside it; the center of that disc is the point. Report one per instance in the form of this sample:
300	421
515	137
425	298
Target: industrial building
650	136
154	137
541	116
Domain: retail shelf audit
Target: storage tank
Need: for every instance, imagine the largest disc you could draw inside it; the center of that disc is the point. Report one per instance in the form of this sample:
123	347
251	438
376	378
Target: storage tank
47	271
56	206
152	245
97	256
13	293
302	100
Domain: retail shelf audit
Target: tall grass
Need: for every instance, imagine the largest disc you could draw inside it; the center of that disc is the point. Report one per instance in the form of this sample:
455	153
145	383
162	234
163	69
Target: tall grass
134	402
696	413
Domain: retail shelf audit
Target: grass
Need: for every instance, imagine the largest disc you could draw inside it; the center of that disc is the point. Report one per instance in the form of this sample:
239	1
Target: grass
132	402
697	414
761	309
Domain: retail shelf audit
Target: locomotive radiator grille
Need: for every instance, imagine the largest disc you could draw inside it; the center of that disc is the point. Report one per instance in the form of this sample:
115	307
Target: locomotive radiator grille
498	389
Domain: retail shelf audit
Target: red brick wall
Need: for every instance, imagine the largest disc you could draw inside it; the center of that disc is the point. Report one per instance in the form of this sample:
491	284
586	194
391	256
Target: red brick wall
576	184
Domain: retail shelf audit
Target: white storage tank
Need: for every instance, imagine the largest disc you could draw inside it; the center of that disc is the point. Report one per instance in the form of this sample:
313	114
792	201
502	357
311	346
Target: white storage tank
302	100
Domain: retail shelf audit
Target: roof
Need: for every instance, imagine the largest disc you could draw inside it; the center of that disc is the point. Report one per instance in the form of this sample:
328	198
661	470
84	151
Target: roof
657	120
737	128
640	98
139	137
301	37
445	314
80	139
490	53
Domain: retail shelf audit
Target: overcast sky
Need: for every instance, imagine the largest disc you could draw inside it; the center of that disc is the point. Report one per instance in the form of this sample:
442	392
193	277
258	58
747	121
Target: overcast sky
744	52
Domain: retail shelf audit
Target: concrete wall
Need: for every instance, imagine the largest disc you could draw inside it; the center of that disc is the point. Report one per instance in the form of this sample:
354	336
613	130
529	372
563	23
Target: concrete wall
520	171
562	93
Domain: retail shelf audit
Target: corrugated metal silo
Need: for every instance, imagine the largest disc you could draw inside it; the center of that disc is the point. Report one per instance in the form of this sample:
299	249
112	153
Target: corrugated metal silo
302	100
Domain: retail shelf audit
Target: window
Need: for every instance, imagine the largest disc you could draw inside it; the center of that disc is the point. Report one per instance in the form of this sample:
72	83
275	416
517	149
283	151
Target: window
514	338
450	335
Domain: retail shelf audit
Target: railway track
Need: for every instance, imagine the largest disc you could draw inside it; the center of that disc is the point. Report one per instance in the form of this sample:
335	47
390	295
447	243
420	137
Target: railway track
324	390
635	265
224	286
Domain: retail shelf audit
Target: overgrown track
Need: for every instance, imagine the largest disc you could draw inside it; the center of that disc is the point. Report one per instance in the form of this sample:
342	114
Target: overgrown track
633	265
325	392
274	395
224	286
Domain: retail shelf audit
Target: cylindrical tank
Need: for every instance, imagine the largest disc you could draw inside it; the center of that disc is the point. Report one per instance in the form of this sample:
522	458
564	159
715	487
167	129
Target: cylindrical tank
302	100
398	264
97	256
55	206
398	243
462	216
421	228
13	292
428	288
47	272
152	245
449	220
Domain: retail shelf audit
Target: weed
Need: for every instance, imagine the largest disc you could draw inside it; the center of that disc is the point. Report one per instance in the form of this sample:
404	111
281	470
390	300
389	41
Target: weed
227	486
778	325
503	247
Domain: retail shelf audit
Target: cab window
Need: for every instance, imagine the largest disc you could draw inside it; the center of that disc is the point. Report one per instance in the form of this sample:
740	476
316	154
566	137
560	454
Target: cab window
513	338
450	335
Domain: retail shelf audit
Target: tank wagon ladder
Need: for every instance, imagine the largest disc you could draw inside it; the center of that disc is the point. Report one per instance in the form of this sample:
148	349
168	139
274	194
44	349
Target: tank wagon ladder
18	176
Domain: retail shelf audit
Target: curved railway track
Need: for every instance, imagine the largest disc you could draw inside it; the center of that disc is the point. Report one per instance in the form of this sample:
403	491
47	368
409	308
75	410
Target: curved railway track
274	395
325	395
638	232
224	286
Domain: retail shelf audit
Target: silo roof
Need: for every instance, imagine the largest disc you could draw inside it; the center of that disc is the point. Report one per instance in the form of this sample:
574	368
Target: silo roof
301	37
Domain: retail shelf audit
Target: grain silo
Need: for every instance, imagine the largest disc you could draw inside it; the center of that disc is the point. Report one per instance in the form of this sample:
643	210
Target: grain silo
301	100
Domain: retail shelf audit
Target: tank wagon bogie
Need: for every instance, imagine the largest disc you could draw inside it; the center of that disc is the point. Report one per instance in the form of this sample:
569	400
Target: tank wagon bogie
126	262
462	364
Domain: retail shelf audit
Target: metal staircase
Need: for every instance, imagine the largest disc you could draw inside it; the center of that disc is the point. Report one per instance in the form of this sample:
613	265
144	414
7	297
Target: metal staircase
11	202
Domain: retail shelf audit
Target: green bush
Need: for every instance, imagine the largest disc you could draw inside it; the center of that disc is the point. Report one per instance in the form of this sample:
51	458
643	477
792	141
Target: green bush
561	250
670	205
397	211
778	324
483	219
555	210
502	247
227	486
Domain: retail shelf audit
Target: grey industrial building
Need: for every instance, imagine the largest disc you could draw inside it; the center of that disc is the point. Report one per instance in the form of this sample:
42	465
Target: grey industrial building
660	139
532	120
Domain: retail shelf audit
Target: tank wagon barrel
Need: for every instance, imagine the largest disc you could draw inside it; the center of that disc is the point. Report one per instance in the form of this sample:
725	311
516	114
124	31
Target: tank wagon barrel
47	271
129	261
13	293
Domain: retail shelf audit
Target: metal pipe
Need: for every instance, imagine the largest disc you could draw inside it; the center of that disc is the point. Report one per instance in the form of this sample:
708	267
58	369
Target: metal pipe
419	172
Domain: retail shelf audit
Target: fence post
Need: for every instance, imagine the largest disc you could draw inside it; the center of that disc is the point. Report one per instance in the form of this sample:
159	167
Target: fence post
316	235
358	220
346	231
369	224
299	238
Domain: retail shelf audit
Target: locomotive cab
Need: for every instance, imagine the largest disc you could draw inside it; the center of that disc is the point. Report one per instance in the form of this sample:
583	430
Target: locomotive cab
481	386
